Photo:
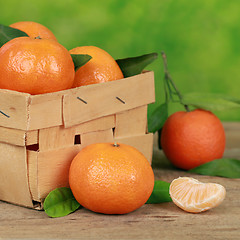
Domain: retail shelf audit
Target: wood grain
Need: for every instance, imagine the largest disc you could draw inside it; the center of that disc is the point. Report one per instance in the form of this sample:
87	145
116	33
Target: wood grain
153	221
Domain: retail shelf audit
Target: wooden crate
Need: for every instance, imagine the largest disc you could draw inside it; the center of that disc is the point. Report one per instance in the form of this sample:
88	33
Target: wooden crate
41	134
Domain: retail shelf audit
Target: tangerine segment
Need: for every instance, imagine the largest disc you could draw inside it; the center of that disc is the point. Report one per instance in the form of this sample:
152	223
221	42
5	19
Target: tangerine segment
111	179
101	68
33	29
194	196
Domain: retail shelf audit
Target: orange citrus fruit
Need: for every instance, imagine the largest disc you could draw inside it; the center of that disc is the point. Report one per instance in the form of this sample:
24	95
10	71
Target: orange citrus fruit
33	29
111	178
193	196
35	66
101	68
190	139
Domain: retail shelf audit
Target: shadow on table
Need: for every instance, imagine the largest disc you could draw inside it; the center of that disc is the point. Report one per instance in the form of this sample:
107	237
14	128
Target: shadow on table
159	160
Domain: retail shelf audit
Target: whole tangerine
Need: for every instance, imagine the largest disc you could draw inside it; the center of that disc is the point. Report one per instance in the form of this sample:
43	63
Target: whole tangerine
34	29
190	139
111	178
35	66
101	68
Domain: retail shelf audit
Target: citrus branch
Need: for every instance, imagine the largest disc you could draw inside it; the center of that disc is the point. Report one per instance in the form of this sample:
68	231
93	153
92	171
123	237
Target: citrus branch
169	79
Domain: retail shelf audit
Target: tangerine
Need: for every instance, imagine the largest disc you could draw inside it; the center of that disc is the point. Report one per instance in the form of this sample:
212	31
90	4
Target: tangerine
101	68
190	139
34	29
194	196
111	178
35	66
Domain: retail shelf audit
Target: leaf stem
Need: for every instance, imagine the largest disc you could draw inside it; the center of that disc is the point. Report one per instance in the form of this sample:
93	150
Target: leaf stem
169	78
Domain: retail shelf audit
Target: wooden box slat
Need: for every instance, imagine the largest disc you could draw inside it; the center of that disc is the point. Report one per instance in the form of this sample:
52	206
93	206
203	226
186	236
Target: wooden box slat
14	185
101	99
45	110
31	137
53	167
94	125
12	136
14	109
97	137
131	122
56	137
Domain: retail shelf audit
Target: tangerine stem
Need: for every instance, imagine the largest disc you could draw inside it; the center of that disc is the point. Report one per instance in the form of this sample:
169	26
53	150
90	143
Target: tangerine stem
169	78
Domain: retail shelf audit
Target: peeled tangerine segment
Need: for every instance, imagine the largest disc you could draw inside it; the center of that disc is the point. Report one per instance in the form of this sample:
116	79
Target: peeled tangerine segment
193	196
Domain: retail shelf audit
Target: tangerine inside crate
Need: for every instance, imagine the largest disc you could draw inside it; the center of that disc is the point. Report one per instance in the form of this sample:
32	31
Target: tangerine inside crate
41	134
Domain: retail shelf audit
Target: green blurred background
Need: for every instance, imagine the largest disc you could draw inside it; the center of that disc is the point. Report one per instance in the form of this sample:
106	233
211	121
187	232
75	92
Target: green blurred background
201	38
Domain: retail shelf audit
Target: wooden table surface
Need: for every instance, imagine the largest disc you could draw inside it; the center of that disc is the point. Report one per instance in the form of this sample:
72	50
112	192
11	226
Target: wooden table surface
152	221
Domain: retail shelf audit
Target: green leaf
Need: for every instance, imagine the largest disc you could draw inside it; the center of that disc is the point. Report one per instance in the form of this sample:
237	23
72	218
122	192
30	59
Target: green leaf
8	33
60	202
160	193
210	101
225	167
135	65
158	118
80	59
